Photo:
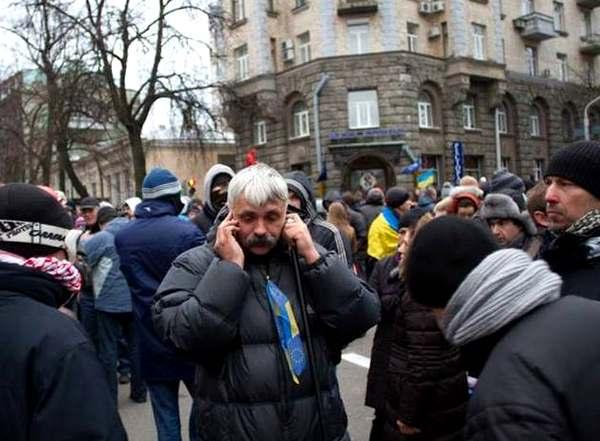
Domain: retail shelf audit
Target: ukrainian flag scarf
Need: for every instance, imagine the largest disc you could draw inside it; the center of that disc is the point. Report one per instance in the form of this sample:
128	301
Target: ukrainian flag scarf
287	329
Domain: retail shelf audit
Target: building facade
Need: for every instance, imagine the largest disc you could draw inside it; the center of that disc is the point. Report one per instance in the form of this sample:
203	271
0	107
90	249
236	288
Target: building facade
364	88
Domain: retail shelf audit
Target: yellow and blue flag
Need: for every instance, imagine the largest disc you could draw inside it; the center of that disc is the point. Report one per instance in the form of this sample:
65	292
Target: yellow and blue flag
426	178
287	329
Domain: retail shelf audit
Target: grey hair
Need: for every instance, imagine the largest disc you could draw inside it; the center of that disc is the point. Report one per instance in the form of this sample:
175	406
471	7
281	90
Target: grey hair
259	184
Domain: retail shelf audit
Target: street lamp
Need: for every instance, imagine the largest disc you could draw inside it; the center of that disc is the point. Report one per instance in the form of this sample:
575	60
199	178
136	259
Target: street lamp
586	118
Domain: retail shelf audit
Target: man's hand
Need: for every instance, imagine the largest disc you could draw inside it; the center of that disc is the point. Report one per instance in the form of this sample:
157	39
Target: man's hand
226	245
297	235
405	429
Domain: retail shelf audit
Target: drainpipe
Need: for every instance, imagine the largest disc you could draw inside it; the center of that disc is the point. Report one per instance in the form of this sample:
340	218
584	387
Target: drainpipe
498	143
586	118
317	92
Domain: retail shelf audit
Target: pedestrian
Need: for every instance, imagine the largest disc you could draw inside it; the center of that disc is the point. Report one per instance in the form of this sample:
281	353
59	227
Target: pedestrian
338	216
511	185
216	182
573	211
234	306
52	386
146	247
113	303
372	206
536	354
128	207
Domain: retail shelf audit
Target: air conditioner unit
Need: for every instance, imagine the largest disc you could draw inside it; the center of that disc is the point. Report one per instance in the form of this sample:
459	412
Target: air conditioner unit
437	6
425	7
287	50
434	32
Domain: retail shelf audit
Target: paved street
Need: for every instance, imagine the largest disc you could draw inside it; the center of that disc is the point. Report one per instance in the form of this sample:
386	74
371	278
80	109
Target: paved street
140	426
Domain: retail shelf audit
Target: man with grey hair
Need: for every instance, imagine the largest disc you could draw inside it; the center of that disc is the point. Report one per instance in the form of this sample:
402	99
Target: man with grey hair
233	306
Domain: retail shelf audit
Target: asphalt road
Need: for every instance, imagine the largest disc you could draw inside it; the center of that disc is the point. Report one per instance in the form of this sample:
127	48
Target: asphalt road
139	423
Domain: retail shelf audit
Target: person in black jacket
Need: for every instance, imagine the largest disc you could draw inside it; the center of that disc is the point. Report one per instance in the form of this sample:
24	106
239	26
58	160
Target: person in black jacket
52	385
536	354
216	182
234	307
573	213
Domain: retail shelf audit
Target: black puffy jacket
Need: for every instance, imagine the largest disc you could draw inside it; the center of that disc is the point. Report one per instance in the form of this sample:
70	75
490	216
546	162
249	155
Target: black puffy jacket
51	383
219	314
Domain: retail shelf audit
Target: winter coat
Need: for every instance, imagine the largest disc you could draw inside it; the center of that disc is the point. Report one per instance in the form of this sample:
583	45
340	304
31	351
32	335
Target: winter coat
541	376
385	279
220	315
205	219
52	385
109	285
577	260
147	246
426	382
370	212
383	235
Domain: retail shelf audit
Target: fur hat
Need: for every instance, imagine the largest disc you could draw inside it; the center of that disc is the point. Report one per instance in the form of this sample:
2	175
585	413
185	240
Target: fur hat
501	206
160	182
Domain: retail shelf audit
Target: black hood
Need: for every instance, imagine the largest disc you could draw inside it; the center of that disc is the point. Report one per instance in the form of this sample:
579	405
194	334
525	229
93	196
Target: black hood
301	185
33	284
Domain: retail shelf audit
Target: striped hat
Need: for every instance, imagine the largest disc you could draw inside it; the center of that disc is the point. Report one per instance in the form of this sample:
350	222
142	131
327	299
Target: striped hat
160	182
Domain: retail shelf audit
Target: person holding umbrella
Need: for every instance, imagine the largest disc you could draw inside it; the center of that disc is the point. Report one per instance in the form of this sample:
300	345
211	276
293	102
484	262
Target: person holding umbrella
262	310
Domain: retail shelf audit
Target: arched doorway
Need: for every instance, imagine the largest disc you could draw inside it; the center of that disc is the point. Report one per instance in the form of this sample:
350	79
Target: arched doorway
365	168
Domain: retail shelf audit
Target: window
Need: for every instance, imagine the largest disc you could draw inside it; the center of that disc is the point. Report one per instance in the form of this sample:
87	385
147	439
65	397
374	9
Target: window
502	121
478	42
304	47
538	169
411	30
534	121
591	72
506	162
241	60
238	10
425	108
562	67
260	132
434	162
363	110
531	59
358	39
559	16
94	189
527	7
587	22
567	125
300	124
270	5
472	165
300	3
503	43
469	114
445	39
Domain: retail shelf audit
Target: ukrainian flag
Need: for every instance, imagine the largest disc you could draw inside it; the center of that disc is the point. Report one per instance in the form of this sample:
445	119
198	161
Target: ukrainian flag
426	178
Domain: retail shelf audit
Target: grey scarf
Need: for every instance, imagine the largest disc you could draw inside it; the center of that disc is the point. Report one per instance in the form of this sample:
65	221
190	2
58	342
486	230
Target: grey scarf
503	287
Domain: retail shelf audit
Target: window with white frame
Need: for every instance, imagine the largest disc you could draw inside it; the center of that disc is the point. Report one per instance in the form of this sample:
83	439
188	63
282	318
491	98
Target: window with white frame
363	109
562	66
538	169
506	162
531	60
358	38
587	23
238	10
559	16
412	30
304	47
527	7
534	121
425	108
478	42
241	62
567	125
260	132
472	165
300	123
502	119
469	121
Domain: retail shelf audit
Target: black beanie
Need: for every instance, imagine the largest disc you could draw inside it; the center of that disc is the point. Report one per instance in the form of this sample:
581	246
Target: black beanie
105	215
441	256
395	197
579	163
29	203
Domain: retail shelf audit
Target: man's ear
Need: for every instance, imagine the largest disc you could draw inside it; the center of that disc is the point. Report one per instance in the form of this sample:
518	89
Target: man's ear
540	218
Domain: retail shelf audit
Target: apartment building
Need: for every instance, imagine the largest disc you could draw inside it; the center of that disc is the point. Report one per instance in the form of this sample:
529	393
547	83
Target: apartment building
365	87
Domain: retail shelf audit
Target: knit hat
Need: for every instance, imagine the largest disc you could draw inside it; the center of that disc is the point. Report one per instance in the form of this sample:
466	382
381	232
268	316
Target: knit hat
579	163
501	206
442	254
32	222
160	182
395	197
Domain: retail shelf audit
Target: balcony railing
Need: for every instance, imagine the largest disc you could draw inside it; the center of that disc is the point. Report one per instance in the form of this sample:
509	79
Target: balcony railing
535	26
349	7
590	44
588	3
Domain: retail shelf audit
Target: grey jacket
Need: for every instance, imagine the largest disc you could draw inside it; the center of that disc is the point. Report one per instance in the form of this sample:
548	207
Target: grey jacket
220	316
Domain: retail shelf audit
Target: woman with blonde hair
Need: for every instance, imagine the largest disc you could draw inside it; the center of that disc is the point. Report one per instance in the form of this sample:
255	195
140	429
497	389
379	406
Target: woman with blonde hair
338	215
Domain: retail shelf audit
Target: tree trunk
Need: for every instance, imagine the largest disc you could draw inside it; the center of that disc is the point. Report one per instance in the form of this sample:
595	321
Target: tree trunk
138	158
67	167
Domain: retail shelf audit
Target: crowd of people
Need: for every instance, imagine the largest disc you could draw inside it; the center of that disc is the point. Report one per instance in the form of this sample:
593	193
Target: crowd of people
484	296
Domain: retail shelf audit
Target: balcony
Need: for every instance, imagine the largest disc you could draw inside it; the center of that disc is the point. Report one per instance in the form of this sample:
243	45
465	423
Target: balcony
590	44
350	7
588	3
535	26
